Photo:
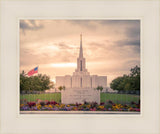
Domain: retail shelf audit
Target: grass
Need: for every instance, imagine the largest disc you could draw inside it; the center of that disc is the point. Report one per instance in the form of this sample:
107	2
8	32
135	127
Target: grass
116	98
33	97
119	98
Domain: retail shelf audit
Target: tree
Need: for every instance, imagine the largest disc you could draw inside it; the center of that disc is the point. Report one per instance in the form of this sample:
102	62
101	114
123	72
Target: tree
135	77
116	84
127	87
34	83
51	84
135	71
100	88
129	82
61	88
64	87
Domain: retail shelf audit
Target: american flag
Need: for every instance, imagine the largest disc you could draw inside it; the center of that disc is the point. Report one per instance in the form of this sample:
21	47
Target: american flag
33	71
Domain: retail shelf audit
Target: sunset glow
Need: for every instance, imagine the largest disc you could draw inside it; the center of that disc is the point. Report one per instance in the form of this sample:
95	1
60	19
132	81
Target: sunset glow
111	47
64	65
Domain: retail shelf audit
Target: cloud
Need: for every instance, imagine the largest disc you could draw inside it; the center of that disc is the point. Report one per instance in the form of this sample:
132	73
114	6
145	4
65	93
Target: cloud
132	62
111	47
89	24
131	25
64	45
132	36
133	32
120	22
29	25
134	44
49	53
128	42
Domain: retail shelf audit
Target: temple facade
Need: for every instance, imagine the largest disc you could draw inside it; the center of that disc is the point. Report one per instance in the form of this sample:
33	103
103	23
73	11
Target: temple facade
81	78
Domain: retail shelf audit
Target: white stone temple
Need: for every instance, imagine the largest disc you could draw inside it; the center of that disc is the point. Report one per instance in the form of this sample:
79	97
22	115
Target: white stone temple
81	85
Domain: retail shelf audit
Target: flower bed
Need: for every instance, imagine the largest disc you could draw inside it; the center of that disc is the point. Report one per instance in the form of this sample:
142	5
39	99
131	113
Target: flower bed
54	106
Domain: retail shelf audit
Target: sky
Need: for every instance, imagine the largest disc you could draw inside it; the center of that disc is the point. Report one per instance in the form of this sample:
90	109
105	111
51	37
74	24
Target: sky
111	47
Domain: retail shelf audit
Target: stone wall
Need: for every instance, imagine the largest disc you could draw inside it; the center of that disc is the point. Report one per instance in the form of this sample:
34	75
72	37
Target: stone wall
102	81
80	95
94	81
83	81
68	81
60	81
86	81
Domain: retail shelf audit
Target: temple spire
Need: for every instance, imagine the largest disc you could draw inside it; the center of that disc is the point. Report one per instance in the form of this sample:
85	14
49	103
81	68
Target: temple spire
81	49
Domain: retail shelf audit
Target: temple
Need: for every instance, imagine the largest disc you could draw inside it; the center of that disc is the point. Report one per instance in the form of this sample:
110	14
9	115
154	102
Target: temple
81	85
81	78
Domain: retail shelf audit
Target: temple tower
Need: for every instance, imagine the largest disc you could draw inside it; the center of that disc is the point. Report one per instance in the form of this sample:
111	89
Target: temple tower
81	61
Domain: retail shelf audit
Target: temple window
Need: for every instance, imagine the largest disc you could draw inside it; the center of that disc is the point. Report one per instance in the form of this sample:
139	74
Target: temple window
81	65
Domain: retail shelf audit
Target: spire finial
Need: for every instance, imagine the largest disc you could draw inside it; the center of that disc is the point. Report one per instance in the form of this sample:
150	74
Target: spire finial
81	49
81	37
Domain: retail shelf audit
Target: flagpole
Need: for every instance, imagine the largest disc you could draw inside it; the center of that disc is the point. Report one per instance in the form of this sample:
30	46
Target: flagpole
37	76
29	90
31	73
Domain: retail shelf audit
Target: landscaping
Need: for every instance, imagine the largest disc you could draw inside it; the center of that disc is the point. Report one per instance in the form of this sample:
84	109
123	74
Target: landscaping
52	102
116	98
54	106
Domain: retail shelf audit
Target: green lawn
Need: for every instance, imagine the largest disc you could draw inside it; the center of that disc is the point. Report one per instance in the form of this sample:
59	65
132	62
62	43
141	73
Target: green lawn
33	97
119	98
116	98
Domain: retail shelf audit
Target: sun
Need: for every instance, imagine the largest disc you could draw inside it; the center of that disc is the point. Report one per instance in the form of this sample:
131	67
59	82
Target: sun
53	80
